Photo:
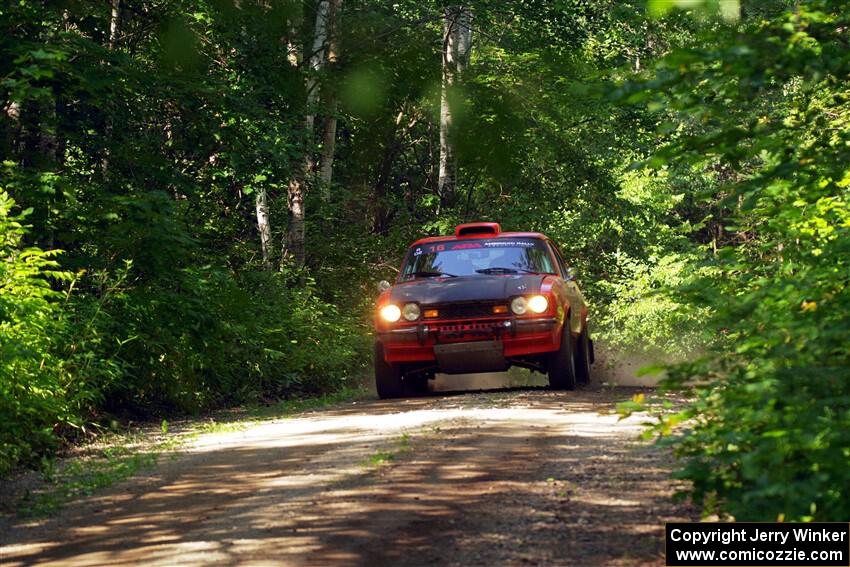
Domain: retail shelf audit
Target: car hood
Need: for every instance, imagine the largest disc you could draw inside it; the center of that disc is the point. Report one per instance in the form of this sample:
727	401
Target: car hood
466	288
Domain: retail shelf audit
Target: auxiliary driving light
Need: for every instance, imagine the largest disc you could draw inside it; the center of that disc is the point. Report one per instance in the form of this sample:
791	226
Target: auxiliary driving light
390	313
411	311
519	305
538	304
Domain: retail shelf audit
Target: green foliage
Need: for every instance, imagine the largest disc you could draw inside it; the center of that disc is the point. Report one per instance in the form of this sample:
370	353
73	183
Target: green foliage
205	338
767	105
141	155
644	318
32	396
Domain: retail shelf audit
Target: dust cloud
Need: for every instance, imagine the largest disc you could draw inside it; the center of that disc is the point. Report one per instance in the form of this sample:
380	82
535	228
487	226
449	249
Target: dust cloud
611	368
513	378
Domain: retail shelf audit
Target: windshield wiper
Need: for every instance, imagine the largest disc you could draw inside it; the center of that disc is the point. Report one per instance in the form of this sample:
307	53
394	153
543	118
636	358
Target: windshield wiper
502	270
429	274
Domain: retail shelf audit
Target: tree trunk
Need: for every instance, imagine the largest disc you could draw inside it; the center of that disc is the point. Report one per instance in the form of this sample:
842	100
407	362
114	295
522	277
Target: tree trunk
380	221
114	30
264	225
295	238
317	60
464	38
12	131
457	41
328	146
447	175
113	24
293	49
393	147
295	241
330	103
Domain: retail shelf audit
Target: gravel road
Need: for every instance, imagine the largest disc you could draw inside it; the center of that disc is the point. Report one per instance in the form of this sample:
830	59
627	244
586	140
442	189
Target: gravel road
510	477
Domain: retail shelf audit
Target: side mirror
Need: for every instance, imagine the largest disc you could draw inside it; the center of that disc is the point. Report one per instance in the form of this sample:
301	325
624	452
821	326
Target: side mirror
572	275
383	286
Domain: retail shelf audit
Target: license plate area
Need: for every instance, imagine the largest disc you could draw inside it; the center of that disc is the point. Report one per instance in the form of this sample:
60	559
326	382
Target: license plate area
471	356
466	330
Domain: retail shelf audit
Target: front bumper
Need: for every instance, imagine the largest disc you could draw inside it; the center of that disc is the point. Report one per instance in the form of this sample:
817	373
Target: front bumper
517	337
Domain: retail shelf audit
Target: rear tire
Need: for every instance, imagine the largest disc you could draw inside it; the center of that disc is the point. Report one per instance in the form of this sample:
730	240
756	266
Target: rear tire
562	375
387	376
583	357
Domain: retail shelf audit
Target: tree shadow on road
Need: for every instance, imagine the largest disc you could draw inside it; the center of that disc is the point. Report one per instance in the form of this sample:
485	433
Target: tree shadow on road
543	479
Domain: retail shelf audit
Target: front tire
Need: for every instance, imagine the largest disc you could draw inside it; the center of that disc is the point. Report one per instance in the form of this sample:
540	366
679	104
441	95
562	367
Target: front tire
387	375
562	375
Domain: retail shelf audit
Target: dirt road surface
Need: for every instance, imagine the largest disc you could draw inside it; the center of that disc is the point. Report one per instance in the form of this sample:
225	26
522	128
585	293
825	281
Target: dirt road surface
511	477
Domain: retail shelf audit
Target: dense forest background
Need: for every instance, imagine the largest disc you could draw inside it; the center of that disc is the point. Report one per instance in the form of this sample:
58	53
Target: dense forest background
197	198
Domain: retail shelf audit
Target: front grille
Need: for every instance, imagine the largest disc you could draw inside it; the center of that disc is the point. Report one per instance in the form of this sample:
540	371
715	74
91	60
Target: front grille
463	310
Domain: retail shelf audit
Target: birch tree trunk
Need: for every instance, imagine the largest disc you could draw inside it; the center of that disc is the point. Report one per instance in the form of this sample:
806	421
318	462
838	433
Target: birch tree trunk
316	61
113	24
457	41
114	30
293	51
264	226
446	179
295	237
464	39
11	129
326	160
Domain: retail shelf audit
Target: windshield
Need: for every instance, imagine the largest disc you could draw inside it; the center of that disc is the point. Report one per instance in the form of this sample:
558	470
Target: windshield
478	257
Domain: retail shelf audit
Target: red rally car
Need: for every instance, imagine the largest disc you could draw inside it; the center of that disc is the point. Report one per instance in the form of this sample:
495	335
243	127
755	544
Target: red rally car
482	300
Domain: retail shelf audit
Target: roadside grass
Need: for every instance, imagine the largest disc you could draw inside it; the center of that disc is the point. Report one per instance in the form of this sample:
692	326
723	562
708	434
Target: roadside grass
288	408
383	457
117	456
379	458
213	426
237	420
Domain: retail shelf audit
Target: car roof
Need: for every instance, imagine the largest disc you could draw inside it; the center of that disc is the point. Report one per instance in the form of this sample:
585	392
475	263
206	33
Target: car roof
481	236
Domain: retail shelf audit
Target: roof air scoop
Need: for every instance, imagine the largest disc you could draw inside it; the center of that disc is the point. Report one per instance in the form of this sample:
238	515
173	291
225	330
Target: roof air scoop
477	229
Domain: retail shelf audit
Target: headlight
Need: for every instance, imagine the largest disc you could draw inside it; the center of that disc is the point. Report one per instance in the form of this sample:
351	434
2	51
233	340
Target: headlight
411	312
538	304
390	313
519	305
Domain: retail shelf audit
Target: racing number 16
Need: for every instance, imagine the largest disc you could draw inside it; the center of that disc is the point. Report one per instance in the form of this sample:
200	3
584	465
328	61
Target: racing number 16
436	248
